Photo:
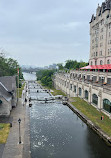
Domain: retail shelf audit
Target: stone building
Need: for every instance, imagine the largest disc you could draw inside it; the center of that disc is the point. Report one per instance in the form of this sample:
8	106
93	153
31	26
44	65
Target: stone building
8	96
93	82
100	35
88	85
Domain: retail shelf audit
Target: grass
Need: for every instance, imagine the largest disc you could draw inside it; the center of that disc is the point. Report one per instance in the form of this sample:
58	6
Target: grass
57	92
93	114
4	131
20	91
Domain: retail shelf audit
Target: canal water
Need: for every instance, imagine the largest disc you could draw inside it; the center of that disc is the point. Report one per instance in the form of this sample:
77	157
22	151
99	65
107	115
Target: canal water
57	132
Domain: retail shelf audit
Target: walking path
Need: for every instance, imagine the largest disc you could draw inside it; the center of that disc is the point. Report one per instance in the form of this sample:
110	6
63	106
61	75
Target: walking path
12	148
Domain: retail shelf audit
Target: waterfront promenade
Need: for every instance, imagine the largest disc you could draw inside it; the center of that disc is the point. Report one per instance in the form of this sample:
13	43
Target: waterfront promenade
12	148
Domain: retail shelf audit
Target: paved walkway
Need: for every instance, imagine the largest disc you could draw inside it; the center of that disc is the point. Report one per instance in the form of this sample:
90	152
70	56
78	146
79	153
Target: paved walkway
12	148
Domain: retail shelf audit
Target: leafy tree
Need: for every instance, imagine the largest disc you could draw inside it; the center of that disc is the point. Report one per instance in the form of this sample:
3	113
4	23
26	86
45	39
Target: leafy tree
9	66
60	66
73	64
46	77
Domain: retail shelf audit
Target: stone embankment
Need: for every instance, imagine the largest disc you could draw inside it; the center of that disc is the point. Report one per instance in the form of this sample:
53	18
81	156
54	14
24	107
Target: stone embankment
104	136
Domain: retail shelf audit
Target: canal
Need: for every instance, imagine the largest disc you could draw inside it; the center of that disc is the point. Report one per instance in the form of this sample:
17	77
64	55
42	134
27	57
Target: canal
57	132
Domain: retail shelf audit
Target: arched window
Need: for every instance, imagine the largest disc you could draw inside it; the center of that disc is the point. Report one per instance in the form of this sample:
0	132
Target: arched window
95	99
80	91
101	62
75	89
91	63
95	62
107	105
108	61
86	94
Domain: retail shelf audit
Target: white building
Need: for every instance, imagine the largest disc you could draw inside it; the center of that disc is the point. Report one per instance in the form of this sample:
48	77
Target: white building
100	35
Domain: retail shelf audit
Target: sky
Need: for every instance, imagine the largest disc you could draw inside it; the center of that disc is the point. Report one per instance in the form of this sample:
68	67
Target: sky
43	32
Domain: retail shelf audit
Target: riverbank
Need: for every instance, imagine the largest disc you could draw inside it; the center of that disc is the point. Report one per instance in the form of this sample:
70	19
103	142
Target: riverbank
92	125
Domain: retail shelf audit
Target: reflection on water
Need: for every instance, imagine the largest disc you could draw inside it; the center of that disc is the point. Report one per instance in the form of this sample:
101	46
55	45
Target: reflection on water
29	76
56	132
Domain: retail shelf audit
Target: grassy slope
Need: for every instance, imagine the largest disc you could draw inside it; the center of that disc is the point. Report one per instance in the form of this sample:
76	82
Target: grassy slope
4	131
20	91
93	114
57	92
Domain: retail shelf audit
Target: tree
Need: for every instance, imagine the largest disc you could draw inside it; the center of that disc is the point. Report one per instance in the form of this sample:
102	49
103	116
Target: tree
9	66
60	66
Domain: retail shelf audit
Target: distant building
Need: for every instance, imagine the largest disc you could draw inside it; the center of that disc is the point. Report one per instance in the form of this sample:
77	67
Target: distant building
8	95
100	35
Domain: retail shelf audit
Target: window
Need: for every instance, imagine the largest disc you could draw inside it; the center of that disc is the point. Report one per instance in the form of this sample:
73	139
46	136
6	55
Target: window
91	63
75	89
95	99
95	62
109	25
102	30
100	53
108	61
107	105
80	91
96	53
101	62
108	51
86	94
101	44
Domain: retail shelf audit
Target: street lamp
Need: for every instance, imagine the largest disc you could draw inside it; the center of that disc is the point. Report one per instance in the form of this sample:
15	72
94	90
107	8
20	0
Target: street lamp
19	121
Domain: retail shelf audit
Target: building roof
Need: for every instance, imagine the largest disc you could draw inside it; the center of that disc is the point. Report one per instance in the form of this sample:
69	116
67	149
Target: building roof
9	82
4	92
101	9
100	67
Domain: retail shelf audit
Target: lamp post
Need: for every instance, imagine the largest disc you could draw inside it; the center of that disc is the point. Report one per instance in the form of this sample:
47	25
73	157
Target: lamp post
19	121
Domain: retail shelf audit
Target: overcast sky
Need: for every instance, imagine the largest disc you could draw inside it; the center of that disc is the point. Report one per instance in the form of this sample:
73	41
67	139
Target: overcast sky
42	32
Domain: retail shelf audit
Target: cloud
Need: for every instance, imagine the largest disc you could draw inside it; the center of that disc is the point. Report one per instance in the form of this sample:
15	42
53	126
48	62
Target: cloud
51	30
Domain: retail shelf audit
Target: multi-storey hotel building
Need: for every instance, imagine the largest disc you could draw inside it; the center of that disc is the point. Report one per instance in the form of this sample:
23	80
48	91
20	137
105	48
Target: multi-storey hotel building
94	83
100	35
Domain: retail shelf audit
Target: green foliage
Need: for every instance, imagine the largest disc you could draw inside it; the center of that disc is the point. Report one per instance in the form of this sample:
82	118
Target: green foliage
9	66
46	77
73	64
57	92
60	66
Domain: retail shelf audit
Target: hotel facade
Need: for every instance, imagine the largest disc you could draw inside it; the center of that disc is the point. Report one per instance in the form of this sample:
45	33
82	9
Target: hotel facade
93	82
